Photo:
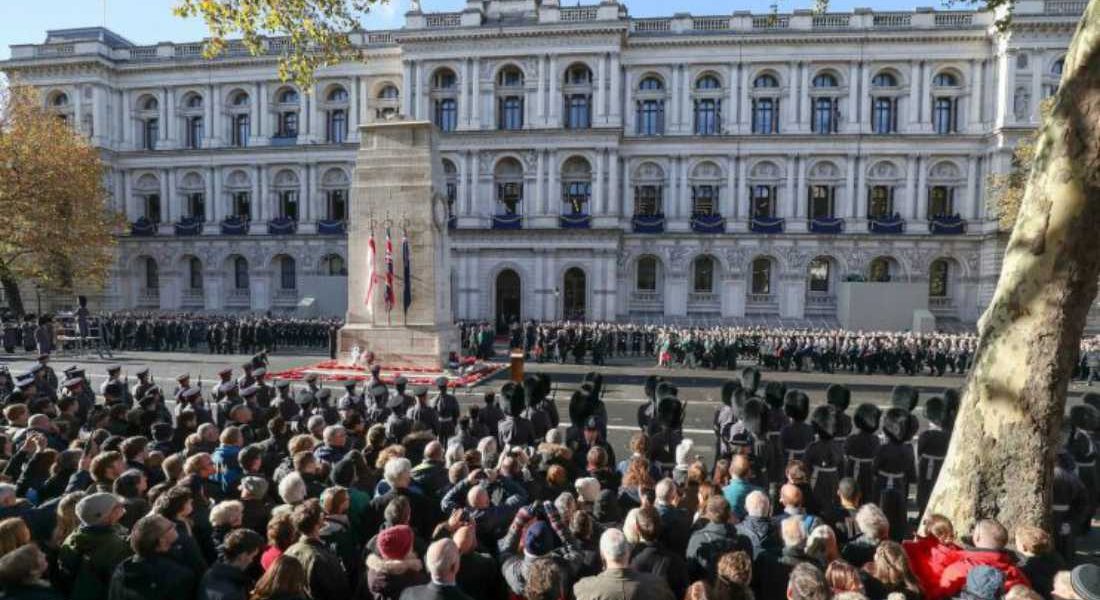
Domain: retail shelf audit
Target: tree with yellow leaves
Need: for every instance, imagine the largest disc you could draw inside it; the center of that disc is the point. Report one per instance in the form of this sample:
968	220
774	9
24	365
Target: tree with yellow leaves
58	227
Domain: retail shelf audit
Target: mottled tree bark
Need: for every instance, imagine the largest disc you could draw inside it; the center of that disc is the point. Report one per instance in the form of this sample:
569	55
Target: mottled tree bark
1001	460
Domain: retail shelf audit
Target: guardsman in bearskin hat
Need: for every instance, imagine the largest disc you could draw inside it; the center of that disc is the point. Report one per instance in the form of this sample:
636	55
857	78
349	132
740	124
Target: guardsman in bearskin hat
861	447
895	470
775	459
796	435
1085	419
824	458
545	388
932	448
649	409
1070	504
840	397
907	397
446	406
490	414
515	430
397	424
666	431
540	421
579	408
725	416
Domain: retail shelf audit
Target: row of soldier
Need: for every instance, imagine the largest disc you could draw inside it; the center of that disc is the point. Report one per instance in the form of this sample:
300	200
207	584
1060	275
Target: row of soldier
884	452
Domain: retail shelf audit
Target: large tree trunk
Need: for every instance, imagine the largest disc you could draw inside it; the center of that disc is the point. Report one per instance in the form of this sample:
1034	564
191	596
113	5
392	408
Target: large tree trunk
11	292
1001	460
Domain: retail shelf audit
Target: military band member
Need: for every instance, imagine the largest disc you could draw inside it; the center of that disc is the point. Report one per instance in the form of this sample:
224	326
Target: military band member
797	435
776	458
725	416
515	430
540	421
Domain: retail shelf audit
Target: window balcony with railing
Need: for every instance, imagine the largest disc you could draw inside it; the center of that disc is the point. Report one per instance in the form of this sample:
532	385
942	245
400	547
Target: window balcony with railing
820	303
645	301
704	302
286	296
192	297
149	297
239	297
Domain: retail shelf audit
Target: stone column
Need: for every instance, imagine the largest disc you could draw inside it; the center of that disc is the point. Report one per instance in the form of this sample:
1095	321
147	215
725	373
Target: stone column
676	291
977	67
128	140
600	116
614	201
855	93
540	183
800	193
742	195
847	208
553	187
615	115
262	127
859	195
626	201
733	296
172	208
745	102
127	203
803	98
922	188
265	204
555	97
164	201
970	203
464	93
1008	88
786	209
672	116
914	96
729	111
685	100
865	100
910	188
211	198
353	111
727	197
212	133
254	207
167	131
541	102
926	97
630	122
597	184
407	84
1036	87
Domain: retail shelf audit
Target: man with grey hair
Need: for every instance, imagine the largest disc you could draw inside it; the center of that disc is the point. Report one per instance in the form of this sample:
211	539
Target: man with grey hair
335	439
442	561
758	526
425	512
807	582
618	581
675	521
874	528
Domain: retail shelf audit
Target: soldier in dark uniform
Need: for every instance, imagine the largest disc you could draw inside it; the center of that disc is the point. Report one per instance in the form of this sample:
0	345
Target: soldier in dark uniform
183	381
305	401
540	421
224	377
284	403
43	388
228	395
325	408
824	458
397	424
545	389
247	378
264	392
840	397
907	398
49	377
649	409
114	374
895	470
797	435
515	430
400	387
1085	419
350	399
424	417
775	460
1070	503
931	449
726	416
861	448
490	414
447	409
377	411
191	400
143	385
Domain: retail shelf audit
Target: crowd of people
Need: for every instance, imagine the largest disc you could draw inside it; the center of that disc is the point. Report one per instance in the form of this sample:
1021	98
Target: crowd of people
271	491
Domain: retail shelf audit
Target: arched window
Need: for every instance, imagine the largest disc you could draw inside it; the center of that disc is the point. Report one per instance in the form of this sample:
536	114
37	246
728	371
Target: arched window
765	105
336	116
826	108
577	96
1054	78
650	106
763	201
444	90
761	276
706	177
646	274
150	103
59	100
938	274
288	279
879	271
193	125
240	121
884	105
820	268
152	274
389	92
576	183
288	96
194	272
945	103
240	273
508	177
149	120
338	94
194	101
444	79
702	269
334	186
193	190
941	201
708	106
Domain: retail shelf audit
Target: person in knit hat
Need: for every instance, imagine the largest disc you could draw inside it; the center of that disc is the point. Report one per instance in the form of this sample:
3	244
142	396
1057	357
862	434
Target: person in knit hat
393	566
535	526
90	554
256	506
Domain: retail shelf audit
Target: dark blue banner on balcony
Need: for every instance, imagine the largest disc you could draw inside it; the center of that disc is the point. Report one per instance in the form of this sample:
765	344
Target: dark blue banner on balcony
888	226
766	224
234	226
708	224
507	222
576	221
189	226
282	226
649	223
143	227
827	225
332	227
947	226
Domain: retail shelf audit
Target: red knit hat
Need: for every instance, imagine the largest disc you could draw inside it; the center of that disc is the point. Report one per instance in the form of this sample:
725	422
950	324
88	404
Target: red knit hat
396	542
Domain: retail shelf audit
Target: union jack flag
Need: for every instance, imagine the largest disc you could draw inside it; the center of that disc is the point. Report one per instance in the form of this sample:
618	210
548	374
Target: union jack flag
388	295
371	275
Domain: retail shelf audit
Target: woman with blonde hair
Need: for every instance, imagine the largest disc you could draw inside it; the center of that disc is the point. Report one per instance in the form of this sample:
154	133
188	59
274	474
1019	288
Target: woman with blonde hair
843	577
734	576
285	579
706	490
66	517
13	534
890	573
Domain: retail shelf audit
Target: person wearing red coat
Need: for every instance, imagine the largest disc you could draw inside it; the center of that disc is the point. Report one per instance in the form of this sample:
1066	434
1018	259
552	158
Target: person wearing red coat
990	538
930	555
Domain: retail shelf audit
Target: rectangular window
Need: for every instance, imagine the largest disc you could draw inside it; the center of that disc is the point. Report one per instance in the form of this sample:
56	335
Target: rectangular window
647	200
884	116
337	127
196	206
941	202
765	116
576	198
152	208
651	117
881	202
708	116
510	113
446	114
819	276
577	113
452	195
242	205
152	131
337	205
825	116
821	201
763	201
288	125
944	115
288	204
703	200
194	132
242	129
509	195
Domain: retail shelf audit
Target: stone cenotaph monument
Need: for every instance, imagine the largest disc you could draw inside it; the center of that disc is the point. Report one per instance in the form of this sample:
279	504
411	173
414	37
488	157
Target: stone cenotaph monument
399	184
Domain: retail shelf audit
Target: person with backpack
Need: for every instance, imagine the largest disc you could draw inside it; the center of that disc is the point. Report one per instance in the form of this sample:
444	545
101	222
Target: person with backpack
89	555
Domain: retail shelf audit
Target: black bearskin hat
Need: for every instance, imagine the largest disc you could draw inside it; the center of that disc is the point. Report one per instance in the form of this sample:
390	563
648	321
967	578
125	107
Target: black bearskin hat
531	389
651	386
728	388
935	410
1084	417
597	383
824	421
664	388
904	397
796	404
838	396
897	425
668	410
545	385
867	418
515	397
774	392
755	416
750	379
578	408
1092	399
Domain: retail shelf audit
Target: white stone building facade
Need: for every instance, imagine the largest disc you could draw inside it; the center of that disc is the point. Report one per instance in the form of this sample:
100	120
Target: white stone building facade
689	168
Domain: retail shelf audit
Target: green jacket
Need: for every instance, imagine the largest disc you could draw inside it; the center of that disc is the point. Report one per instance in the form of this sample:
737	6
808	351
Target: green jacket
88	557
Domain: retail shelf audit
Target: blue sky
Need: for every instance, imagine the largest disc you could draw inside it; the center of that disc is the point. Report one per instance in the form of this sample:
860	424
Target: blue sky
151	21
